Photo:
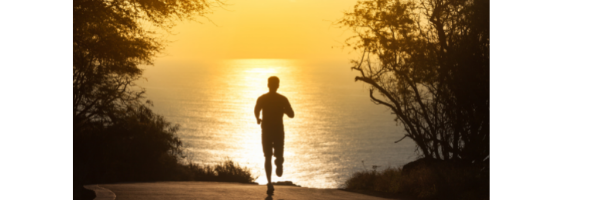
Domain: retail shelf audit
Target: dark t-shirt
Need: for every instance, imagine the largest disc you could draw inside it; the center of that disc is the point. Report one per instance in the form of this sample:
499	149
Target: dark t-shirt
273	106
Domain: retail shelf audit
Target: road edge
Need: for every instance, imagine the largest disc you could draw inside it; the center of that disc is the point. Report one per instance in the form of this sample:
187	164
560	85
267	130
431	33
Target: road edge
101	193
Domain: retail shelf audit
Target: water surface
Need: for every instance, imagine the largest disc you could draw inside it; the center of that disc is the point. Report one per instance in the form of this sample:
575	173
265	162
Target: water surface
337	130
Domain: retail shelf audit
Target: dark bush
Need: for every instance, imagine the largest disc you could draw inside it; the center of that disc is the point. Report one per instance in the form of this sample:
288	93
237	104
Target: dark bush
387	180
427	179
231	172
141	146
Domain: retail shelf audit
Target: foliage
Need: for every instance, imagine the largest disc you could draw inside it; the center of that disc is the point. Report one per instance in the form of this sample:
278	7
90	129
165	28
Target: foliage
225	171
425	179
443	179
428	61
139	146
109	42
116	137
387	180
232	172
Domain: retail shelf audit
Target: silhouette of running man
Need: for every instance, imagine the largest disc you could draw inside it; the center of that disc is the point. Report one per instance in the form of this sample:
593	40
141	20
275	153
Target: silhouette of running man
273	106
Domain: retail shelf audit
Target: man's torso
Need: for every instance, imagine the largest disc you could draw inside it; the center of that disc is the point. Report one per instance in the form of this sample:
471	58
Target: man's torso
273	107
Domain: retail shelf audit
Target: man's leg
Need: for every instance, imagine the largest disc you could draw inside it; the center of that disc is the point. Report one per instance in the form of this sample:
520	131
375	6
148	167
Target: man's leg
278	146
268	168
268	152
279	164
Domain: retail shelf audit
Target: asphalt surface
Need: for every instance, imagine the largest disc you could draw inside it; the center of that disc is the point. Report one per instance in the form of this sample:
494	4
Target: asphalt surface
215	190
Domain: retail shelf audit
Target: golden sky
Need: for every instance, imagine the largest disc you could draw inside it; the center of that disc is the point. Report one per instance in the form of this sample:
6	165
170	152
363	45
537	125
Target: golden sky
284	29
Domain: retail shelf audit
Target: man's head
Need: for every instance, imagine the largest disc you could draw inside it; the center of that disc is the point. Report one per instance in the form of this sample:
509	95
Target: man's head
273	83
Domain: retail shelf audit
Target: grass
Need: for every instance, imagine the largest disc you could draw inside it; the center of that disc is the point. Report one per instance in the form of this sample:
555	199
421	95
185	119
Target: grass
387	180
225	171
425	179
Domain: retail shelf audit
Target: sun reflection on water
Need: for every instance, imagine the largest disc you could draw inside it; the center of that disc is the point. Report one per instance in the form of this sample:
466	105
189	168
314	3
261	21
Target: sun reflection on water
249	80
252	75
335	128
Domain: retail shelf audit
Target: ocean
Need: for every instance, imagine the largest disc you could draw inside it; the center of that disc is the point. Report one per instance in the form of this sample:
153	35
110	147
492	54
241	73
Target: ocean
337	130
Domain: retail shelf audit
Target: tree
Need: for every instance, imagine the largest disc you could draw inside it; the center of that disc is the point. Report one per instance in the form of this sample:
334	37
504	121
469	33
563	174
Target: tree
115	134
428	61
109	43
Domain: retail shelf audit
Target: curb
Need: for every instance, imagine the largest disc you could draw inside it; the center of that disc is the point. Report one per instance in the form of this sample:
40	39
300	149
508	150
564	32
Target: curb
101	193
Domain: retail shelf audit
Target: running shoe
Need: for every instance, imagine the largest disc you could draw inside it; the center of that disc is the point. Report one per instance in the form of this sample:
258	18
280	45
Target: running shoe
270	189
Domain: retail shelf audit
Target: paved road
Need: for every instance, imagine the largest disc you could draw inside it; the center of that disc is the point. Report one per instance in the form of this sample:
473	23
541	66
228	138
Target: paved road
215	190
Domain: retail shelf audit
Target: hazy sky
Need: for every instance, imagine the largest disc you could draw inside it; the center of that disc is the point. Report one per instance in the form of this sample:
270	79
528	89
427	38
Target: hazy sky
288	29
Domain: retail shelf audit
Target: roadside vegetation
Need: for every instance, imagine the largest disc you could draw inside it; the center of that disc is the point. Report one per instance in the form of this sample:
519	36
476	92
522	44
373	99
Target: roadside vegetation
116	135
428	62
225	171
425	179
387	180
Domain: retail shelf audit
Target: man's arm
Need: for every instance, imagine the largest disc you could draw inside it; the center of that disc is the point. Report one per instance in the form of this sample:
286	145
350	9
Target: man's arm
288	109
257	109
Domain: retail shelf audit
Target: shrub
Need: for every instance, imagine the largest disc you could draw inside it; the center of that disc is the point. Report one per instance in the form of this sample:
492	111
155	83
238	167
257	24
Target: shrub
225	171
232	172
430	178
427	179
142	146
387	180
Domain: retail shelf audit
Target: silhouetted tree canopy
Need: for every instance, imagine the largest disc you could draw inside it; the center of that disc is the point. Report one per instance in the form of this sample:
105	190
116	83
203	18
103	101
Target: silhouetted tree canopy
428	61
109	42
116	135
